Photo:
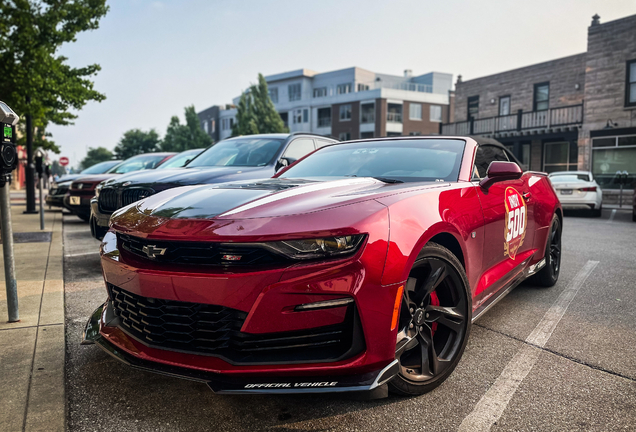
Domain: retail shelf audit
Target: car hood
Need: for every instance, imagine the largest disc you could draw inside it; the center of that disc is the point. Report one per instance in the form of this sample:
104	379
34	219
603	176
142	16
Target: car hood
269	198
160	180
96	178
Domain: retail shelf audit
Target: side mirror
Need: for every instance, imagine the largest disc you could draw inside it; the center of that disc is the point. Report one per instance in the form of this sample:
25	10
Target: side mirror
500	171
283	162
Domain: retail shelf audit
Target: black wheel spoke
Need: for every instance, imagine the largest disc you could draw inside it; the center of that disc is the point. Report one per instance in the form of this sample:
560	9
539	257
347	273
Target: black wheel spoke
409	289
404	343
450	317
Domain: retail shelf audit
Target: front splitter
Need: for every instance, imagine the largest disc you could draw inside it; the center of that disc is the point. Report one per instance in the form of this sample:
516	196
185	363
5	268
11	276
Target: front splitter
224	384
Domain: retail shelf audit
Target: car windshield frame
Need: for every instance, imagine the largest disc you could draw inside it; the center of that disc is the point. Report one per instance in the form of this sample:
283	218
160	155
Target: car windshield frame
157	158
228	157
411	151
100	170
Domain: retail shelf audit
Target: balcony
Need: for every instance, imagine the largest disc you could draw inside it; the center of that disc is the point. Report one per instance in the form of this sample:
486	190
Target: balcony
324	121
367	117
406	86
521	123
394	117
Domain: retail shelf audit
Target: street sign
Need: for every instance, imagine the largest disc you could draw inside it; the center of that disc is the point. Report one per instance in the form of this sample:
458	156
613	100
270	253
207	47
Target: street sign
63	161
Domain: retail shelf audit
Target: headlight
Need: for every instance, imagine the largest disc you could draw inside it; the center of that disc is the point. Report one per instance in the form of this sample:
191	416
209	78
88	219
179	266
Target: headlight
98	189
317	248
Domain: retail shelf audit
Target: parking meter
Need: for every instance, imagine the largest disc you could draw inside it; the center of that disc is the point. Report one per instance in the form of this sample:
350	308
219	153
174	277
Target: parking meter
39	164
8	152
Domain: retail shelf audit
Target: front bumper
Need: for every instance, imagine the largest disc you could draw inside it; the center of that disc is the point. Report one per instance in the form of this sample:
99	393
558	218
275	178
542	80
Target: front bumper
55	200
101	219
236	384
83	208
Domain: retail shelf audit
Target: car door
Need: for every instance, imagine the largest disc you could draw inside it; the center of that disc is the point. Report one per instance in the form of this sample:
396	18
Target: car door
508	223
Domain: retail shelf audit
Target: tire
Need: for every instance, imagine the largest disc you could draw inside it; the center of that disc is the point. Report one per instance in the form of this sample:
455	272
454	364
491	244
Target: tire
434	322
96	231
634	215
83	216
549	274
597	212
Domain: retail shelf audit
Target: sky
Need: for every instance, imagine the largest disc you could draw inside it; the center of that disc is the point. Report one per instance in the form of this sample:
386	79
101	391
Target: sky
158	57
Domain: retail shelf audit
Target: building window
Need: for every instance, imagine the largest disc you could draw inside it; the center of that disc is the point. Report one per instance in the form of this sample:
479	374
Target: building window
394	113
305	115
344	88
345	112
473	106
630	85
212	126
504	105
294	92
344	136
415	111
611	155
367	113
273	94
363	87
436	113
324	117
560	156
298	116
320	92
541	96
365	135
205	126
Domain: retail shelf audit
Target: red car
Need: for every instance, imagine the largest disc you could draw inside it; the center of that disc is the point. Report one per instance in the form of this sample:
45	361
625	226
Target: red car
78	198
362	264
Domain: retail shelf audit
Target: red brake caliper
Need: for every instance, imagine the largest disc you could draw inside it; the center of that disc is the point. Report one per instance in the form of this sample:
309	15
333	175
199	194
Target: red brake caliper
434	302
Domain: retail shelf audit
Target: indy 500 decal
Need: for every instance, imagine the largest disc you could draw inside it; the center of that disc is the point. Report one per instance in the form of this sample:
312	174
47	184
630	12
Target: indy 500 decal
515	222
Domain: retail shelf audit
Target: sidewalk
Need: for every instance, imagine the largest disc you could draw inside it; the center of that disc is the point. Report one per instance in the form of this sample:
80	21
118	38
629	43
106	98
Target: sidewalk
32	351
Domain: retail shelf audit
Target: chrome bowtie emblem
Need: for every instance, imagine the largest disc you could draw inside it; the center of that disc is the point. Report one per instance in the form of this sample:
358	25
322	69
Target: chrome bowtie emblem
153	251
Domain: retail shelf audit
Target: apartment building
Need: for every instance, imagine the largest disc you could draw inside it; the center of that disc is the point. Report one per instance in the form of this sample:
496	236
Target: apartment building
577	112
352	103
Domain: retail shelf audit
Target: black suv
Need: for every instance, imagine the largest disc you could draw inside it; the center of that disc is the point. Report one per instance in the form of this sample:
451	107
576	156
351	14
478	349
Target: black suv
242	158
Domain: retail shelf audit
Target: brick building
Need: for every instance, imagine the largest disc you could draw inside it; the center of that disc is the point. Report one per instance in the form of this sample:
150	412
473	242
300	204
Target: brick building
577	112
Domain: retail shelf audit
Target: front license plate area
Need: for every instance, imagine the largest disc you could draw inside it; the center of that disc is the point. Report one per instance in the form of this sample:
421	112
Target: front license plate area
74	200
566	191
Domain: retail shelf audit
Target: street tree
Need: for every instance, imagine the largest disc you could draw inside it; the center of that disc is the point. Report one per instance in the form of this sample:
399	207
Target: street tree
136	141
180	137
96	155
37	82
256	113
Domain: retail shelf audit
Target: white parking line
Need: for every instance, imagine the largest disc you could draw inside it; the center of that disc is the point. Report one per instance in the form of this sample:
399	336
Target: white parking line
490	407
611	218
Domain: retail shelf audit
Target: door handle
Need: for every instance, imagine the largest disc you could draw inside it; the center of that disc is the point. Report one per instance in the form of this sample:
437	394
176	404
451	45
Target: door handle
526	195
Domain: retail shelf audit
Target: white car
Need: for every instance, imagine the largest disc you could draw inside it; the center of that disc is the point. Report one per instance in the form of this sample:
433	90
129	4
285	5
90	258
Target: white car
578	190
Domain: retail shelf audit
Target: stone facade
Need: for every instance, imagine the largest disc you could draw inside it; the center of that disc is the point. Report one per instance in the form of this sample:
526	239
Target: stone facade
609	47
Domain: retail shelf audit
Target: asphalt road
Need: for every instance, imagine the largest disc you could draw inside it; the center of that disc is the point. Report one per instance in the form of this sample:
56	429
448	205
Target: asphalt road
583	378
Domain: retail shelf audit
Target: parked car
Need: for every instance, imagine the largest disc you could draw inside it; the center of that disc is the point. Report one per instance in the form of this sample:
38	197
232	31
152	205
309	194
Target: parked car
78	198
634	206
363	264
242	158
55	197
578	190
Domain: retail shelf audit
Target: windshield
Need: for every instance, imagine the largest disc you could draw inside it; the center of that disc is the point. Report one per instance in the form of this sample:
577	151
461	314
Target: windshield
569	178
100	168
137	163
181	159
239	152
408	161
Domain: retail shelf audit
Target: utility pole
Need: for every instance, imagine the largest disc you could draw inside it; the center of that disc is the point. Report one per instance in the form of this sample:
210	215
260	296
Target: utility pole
8	162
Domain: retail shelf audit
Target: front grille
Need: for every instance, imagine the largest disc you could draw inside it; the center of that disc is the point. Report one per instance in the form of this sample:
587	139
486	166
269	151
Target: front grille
215	330
108	200
201	253
129	196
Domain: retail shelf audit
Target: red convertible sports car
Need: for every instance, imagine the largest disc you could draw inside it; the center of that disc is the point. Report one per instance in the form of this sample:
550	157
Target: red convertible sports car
359	267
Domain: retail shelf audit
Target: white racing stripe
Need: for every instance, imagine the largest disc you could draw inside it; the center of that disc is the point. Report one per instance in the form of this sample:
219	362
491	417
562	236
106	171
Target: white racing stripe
489	409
